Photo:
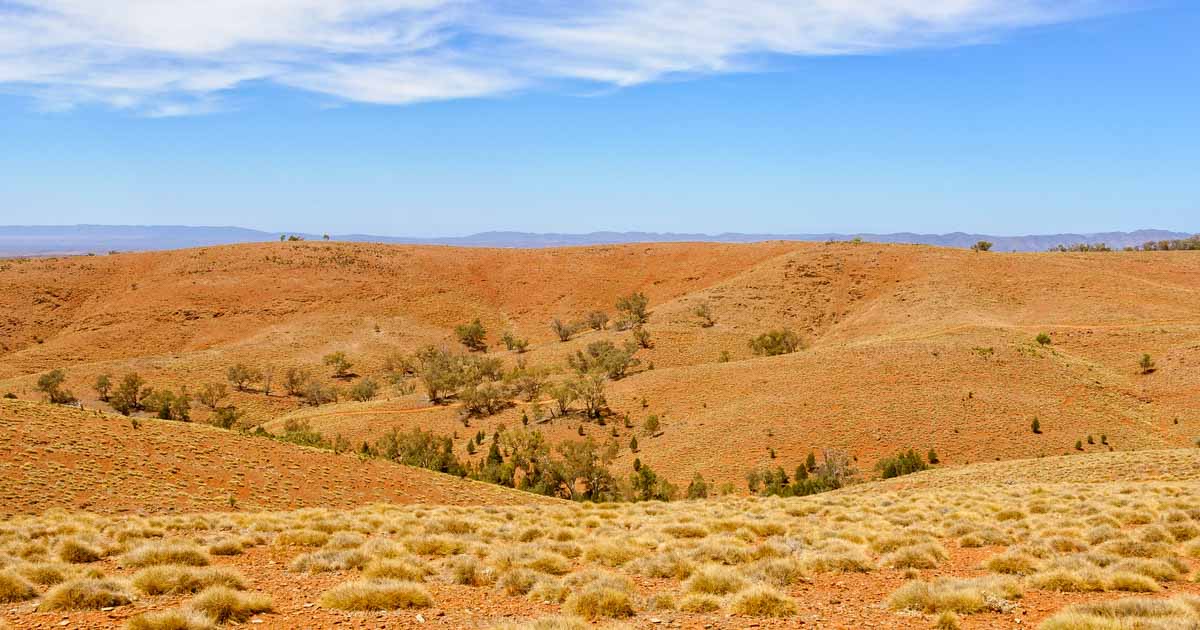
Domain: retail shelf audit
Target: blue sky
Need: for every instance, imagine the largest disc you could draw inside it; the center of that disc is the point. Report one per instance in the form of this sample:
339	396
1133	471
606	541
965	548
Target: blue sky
445	117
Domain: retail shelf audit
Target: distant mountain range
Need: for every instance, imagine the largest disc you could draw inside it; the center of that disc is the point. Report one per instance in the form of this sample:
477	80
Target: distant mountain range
44	240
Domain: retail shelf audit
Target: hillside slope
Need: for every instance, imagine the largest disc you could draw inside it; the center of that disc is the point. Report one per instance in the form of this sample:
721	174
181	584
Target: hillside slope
60	457
908	346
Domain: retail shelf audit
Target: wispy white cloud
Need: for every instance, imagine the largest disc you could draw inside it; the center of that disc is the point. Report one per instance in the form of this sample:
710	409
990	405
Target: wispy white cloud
175	57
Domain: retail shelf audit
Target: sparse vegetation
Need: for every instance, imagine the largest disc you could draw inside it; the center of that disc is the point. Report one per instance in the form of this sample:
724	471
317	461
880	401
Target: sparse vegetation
86	594
377	595
129	394
514	343
1146	364
103	385
775	342
631	310
212	395
15	588
563	330
339	362
51	384
364	390
222	604
604	356
472	335
558	421
902	463
597	320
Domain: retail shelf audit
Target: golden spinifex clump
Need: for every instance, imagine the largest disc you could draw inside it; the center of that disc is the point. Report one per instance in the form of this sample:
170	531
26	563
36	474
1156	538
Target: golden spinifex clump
743	556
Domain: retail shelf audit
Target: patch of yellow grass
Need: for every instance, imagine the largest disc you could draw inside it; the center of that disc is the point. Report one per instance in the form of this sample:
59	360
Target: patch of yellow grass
46	573
166	553
326	560
1069	580
222	604
301	538
86	594
546	623
1129	613
920	556
699	603
15	588
599	600
396	569
469	571
377	595
1012	563
77	551
171	619
715	579
517	581
955	595
166	579
610	553
762	601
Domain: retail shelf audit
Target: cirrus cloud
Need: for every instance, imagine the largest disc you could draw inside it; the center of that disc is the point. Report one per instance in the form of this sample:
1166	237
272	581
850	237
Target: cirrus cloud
173	57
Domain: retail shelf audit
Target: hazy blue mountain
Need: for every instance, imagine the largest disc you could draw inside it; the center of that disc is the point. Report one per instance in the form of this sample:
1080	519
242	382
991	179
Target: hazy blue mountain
44	240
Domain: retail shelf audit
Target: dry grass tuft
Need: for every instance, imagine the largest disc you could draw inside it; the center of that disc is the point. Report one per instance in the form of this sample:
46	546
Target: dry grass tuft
86	594
1012	563
329	560
550	590
1069	580
15	588
301	538
599	600
377	595
166	553
780	572
762	601
548	562
686	530
77	551
546	623
1161	570
610	553
1130	613
172	619
396	569
947	620
956	595
1131	583
919	556
844	560
222	604
667	564
46	573
714	579
469	571
517	581
166	579
227	547
699	603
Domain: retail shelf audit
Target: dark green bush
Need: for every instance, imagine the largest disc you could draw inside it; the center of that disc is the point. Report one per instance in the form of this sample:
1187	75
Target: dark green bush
902	463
